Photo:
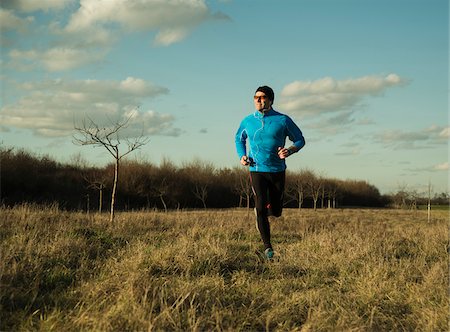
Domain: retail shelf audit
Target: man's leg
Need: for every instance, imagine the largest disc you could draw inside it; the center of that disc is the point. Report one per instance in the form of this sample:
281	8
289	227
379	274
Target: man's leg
276	193
260	185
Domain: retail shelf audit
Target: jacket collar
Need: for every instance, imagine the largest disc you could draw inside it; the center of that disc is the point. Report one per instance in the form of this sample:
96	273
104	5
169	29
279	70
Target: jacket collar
260	115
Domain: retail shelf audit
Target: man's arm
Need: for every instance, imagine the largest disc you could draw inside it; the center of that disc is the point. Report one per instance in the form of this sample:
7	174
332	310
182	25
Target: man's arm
240	142
296	136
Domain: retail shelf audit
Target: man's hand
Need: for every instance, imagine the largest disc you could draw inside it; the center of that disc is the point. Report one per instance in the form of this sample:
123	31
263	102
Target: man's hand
283	153
245	161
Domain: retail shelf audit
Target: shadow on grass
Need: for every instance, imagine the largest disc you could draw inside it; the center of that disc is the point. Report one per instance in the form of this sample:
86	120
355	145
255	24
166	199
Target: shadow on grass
43	282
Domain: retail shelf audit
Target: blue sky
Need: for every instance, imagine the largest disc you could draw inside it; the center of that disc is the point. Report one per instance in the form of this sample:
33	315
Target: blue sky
365	80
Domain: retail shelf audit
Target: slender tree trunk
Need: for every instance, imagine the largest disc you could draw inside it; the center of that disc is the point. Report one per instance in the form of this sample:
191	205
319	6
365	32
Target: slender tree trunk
300	199
100	199
163	202
113	194
205	195
322	204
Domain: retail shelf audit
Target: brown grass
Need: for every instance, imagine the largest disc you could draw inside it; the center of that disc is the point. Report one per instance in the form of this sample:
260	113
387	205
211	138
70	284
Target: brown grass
352	270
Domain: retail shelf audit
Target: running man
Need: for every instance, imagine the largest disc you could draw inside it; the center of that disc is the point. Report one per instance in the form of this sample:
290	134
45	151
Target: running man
266	131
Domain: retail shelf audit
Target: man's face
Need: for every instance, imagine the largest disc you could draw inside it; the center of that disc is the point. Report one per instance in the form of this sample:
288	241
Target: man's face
262	102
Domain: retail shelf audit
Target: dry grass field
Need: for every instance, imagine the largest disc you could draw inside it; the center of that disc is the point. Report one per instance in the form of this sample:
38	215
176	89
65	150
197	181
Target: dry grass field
344	270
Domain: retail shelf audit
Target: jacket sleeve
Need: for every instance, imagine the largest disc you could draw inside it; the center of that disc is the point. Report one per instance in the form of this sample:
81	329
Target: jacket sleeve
294	133
240	139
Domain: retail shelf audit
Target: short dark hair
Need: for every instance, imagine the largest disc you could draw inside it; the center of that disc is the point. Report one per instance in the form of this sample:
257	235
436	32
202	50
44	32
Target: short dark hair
268	91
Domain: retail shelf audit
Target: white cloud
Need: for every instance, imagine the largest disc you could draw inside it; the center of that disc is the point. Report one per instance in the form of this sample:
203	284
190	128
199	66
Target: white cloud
170	36
134	15
90	39
131	87
333	124
53	107
435	168
172	19
445	133
442	167
35	5
304	98
390	136
419	139
54	59
9	21
93	27
137	86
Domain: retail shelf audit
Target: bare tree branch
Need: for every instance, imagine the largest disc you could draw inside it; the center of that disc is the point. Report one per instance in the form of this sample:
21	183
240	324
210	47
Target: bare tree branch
108	137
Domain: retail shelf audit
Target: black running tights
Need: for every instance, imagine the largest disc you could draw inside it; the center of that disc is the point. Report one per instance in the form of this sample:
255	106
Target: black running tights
268	189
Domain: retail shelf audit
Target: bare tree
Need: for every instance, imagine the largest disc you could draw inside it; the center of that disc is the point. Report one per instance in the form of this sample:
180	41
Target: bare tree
243	186
332	188
298	186
315	184
96	180
401	197
90	133
201	192
200	173
167	183
161	189
414	197
322	201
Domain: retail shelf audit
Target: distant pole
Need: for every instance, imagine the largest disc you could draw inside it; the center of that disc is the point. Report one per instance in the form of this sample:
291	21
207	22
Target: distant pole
429	201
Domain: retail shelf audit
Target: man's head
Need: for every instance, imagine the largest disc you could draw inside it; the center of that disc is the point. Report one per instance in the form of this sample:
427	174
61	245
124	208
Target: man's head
263	98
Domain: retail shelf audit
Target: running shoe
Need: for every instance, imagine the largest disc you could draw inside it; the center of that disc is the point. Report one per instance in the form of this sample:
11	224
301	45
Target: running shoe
269	253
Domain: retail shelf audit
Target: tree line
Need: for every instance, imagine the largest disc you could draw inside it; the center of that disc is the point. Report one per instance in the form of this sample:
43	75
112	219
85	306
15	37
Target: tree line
29	178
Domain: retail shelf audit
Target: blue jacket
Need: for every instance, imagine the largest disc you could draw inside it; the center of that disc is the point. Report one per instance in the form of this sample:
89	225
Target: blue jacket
266	132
